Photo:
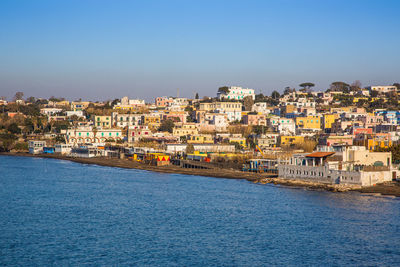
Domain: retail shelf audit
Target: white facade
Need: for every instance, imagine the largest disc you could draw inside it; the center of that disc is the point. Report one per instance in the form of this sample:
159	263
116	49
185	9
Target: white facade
36	147
50	111
383	88
237	93
78	113
261	107
282	125
123	120
63	148
85	135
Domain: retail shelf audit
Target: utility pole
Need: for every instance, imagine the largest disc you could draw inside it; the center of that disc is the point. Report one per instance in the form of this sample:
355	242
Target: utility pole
177	93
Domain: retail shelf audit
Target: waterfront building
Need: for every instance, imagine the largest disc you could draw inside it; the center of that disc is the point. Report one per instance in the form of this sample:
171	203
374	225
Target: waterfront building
36	146
83	135
354	169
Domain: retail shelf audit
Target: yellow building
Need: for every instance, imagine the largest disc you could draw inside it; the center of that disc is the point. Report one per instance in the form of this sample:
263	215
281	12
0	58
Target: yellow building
240	140
201	139
152	120
328	120
185	129
102	121
309	122
379	141
291	140
76	106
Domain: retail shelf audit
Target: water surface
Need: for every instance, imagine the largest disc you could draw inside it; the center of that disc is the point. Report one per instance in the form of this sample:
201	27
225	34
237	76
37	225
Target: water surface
56	212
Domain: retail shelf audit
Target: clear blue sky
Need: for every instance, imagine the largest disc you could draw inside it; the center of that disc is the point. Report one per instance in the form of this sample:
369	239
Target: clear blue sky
99	50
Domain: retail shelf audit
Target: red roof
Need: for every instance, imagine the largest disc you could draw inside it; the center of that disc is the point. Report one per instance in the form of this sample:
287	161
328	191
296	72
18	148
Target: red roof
320	154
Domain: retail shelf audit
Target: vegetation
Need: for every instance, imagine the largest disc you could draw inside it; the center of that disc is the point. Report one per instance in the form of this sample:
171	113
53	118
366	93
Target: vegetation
167	126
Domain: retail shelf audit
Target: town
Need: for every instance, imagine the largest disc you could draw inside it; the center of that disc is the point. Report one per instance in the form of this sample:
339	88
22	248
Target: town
346	135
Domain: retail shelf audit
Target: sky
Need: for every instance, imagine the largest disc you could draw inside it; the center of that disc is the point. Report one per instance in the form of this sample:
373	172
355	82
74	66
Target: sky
107	49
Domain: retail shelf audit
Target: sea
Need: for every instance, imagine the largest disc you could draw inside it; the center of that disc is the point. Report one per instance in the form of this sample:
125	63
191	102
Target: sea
61	213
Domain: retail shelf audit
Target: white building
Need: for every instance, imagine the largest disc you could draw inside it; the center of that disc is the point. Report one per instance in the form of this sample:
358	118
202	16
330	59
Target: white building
316	167
78	113
282	125
36	147
261	107
383	88
235	93
123	120
50	111
63	148
86	135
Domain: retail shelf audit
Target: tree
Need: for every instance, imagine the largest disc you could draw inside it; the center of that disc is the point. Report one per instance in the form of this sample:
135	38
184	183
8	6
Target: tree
224	89
259	97
248	103
167	126
189	149
340	87
374	93
275	95
7	141
288	90
197	96
13	128
397	85
356	85
306	87
31	99
18	96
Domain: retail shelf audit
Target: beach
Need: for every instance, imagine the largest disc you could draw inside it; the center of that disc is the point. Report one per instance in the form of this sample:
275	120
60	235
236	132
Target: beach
390	188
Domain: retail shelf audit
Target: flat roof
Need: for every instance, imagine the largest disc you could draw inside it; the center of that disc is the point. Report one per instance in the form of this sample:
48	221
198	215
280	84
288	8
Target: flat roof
320	154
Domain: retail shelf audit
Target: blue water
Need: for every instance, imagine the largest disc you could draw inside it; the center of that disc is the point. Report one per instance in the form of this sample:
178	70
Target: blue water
57	212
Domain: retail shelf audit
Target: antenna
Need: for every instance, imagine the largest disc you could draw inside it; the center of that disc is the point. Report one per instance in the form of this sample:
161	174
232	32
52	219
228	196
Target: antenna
177	93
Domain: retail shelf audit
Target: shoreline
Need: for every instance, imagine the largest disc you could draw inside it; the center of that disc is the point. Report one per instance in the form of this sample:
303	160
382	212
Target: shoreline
390	189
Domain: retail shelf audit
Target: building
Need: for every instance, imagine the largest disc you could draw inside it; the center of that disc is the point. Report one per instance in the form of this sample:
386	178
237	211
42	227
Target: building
235	93
254	119
185	129
89	135
207	148
36	147
79	105
383	88
309	122
125	120
291	140
135	133
200	139
102	121
282	125
163	101
63	148
50	111
232	109
323	167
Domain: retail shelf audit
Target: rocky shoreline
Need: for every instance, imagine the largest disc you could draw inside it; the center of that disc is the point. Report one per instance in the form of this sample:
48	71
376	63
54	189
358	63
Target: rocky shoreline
392	188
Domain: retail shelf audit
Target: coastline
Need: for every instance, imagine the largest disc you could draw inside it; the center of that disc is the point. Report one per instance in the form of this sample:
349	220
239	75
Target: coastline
390	189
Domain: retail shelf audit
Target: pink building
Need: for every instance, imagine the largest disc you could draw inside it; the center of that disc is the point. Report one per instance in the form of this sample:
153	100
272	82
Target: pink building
163	101
254	119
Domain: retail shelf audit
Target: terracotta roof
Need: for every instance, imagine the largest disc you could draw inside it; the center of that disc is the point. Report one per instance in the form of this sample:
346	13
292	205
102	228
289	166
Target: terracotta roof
320	154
